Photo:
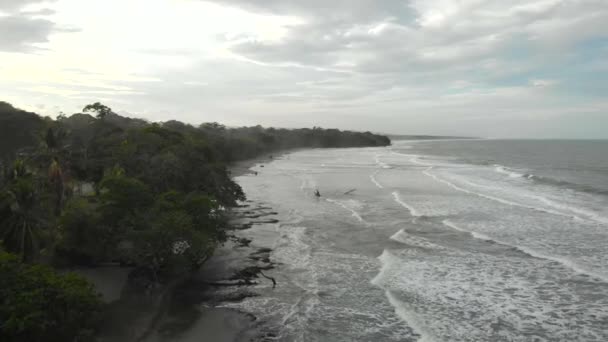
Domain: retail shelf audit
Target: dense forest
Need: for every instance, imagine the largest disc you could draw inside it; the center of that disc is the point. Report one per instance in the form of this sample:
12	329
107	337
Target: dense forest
96	187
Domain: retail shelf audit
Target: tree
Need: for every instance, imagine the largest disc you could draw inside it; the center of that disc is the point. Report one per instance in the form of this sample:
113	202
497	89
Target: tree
22	220
101	109
56	183
84	239
37	304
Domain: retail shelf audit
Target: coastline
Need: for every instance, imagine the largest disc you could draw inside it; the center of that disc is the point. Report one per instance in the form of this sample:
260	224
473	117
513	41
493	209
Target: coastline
225	278
187	309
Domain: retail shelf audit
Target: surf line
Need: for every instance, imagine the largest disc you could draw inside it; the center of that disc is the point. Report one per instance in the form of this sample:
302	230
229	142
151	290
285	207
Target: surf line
411	209
531	252
591	217
372	177
381	163
355	214
492	198
402	309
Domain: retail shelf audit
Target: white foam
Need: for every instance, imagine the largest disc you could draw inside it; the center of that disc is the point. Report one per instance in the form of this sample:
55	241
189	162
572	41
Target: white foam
409	316
343	205
586	213
455	295
381	163
563	261
574	211
474	234
407	239
494	198
291	247
372	177
504	170
411	209
388	261
415	160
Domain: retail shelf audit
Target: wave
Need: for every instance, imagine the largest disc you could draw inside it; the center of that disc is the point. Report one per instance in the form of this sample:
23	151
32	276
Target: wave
474	234
587	215
402	237
549	181
531	252
381	163
569	185
405	313
411	209
509	172
372	177
402	309
354	212
497	199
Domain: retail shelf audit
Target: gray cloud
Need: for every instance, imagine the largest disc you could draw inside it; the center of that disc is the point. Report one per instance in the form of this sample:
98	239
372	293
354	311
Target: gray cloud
22	29
14	5
395	36
23	32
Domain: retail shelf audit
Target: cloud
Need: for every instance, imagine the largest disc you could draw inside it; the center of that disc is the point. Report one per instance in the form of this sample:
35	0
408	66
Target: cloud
14	5
25	28
393	36
24	32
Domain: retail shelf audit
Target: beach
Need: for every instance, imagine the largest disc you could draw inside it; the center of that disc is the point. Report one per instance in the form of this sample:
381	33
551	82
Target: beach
401	245
430	241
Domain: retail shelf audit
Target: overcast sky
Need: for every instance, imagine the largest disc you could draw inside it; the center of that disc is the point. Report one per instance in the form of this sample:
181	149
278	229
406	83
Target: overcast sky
492	68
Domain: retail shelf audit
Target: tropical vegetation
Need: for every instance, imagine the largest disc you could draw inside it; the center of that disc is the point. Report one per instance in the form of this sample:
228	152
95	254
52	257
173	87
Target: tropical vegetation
90	189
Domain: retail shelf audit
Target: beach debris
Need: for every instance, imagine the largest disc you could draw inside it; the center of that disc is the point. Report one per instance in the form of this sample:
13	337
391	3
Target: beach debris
350	191
274	282
317	193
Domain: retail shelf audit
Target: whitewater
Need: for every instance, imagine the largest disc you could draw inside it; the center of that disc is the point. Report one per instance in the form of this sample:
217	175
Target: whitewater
434	241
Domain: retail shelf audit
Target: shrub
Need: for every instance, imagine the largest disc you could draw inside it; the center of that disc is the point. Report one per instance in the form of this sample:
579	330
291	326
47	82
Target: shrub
39	304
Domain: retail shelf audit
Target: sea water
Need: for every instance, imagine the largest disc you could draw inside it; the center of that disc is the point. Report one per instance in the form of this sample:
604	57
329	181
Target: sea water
478	240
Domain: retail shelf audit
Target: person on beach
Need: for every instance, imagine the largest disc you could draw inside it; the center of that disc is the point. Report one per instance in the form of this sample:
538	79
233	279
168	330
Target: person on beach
317	193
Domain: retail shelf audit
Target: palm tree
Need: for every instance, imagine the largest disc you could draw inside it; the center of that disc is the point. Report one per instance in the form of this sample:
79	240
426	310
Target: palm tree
57	185
19	222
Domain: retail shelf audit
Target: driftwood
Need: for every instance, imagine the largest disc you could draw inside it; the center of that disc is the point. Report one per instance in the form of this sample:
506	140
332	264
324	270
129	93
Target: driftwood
350	191
274	282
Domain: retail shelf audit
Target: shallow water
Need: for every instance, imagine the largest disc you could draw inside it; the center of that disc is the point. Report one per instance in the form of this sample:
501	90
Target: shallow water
409	243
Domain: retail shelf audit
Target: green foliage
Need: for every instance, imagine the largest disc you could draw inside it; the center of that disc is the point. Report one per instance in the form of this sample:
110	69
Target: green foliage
83	237
22	215
37	304
18	130
101	110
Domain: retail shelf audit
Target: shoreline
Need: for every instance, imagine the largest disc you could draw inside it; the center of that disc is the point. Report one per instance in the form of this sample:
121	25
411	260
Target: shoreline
185	309
243	167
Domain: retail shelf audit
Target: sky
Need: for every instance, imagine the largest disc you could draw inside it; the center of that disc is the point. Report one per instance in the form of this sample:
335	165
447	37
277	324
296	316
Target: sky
487	68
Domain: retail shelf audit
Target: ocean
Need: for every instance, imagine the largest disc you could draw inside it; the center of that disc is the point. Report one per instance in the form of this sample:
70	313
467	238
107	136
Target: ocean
447	240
